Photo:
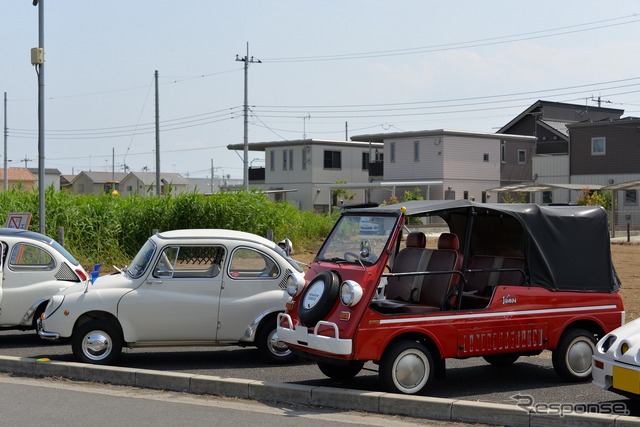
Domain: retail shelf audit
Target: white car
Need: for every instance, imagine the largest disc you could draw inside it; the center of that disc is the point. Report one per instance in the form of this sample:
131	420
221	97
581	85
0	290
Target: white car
616	361
34	267
183	288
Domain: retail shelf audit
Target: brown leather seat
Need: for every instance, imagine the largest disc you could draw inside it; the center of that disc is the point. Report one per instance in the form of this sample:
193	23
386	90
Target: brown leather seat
485	272
447	258
414	257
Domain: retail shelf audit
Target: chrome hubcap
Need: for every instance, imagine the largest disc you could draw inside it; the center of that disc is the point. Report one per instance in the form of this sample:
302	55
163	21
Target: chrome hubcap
579	357
410	371
96	345
276	346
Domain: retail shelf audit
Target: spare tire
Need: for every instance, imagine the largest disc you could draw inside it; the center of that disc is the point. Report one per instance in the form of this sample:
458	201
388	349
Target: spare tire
318	298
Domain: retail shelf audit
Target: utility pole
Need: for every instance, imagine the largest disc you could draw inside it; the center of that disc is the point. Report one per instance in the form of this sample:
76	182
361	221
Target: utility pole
6	132
25	160
246	61
39	64
157	137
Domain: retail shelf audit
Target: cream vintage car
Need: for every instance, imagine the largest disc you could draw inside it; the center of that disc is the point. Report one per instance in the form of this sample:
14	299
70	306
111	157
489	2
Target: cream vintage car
34	267
195	287
616	361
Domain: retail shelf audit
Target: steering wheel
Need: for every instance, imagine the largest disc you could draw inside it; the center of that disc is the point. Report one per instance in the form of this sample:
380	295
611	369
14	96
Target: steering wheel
348	255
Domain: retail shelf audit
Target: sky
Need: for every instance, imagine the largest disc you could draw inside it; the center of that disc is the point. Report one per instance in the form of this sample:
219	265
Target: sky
327	69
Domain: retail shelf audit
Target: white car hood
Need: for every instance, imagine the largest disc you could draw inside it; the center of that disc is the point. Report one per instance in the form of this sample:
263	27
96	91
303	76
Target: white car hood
628	334
111	281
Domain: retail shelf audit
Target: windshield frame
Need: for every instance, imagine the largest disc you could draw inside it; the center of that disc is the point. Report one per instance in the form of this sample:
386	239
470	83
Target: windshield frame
142	260
358	238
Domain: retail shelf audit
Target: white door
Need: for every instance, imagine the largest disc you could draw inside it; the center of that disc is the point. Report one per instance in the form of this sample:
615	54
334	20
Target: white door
178	301
251	287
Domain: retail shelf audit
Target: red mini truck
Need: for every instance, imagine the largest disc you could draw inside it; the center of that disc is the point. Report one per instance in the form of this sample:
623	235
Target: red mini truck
501	281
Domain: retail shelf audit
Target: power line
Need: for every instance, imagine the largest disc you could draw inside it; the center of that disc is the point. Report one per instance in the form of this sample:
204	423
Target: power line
465	44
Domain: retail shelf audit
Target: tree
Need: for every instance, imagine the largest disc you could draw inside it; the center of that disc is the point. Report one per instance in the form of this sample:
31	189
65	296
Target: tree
593	198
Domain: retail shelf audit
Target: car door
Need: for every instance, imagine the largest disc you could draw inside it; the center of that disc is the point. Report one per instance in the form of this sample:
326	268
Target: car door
251	287
178	300
28	275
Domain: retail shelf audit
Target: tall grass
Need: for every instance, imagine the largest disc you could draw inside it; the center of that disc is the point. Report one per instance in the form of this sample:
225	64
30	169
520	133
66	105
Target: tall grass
110	230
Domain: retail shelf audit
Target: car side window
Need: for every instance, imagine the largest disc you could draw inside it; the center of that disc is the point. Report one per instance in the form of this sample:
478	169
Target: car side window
29	257
250	263
189	262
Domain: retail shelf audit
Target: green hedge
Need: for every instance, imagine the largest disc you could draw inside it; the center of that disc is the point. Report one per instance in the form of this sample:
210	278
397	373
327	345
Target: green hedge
110	229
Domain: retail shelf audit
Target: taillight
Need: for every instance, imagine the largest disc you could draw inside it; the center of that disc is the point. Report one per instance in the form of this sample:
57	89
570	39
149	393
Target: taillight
81	274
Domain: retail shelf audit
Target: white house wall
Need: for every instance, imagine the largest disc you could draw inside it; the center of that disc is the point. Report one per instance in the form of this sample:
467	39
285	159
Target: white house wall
465	168
552	169
307	196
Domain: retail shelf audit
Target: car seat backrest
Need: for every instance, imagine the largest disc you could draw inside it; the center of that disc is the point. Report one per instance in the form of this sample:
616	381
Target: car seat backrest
414	257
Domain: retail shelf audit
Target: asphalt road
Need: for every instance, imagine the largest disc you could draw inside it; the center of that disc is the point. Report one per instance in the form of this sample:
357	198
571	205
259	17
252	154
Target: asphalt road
57	402
471	379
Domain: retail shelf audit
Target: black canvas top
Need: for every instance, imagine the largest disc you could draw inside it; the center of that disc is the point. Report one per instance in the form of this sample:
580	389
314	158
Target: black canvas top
565	247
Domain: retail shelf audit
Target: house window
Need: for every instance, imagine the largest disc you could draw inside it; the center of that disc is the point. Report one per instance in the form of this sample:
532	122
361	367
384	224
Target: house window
304	158
503	151
598	146
291	159
631	197
365	161
522	157
416	151
392	154
485	157
465	195
284	160
332	159
547	197
272	161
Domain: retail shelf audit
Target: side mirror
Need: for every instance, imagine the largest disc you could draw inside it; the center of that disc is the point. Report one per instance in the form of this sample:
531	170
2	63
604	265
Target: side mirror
286	246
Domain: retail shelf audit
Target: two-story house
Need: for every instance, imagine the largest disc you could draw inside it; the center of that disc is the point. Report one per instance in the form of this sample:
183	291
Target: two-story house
467	163
607	153
293	170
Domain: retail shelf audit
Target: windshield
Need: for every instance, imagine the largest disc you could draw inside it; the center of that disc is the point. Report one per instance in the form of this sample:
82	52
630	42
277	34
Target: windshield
358	238
141	260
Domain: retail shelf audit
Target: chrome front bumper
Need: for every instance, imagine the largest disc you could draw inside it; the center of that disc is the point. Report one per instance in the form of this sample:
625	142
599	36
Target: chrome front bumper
52	336
300	336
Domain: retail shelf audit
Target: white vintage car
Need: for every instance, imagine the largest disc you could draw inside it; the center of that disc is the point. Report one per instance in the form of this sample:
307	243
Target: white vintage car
34	267
616	361
183	288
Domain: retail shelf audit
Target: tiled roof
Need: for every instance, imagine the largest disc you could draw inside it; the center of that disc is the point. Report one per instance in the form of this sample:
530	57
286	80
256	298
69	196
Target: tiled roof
18	174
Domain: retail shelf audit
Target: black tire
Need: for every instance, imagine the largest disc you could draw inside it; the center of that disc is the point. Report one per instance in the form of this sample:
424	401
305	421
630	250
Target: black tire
407	367
98	342
573	357
501	359
340	372
318	298
269	346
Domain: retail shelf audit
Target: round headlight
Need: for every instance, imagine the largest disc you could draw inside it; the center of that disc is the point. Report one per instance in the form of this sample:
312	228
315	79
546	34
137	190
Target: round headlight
624	348
292	286
350	293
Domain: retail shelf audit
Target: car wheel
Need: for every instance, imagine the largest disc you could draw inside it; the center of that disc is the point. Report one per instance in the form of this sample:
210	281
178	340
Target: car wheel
406	367
340	372
318	298
501	359
270	347
98	342
572	358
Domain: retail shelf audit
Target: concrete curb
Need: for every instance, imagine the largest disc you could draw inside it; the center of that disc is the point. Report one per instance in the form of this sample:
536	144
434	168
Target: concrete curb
432	408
